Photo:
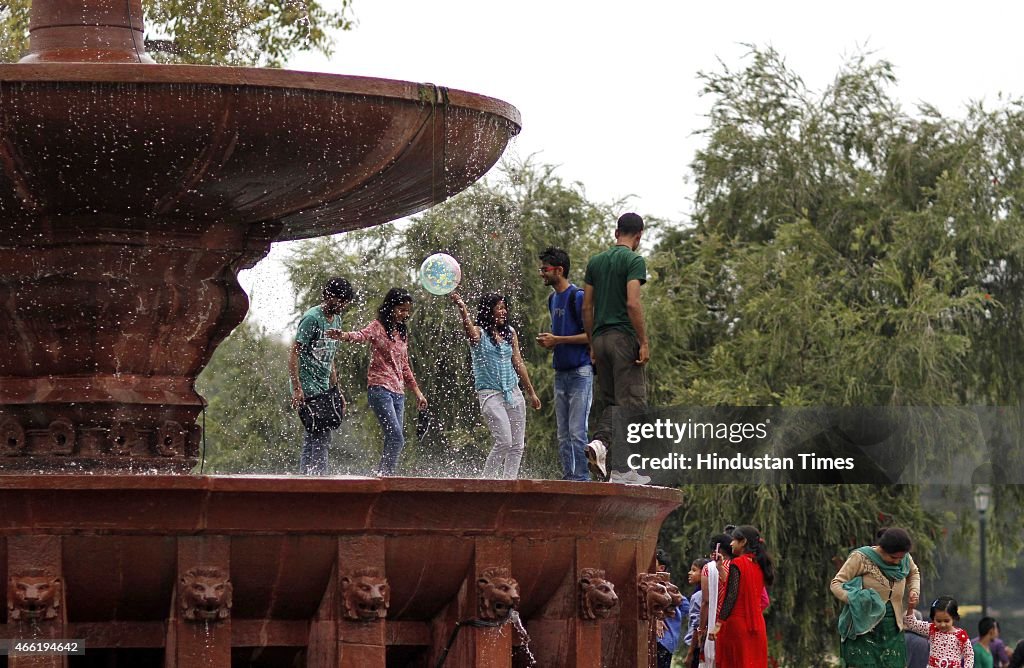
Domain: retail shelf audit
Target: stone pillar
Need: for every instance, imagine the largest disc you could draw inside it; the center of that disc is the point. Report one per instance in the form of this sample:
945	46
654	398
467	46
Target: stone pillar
363	599
630	646
37	611
86	31
322	646
349	629
586	633
199	627
478	647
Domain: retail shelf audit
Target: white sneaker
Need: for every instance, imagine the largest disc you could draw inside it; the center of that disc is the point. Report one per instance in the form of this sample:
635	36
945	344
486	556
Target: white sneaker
597	452
630	477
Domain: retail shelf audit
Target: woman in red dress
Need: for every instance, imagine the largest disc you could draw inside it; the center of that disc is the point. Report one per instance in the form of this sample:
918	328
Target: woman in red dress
741	637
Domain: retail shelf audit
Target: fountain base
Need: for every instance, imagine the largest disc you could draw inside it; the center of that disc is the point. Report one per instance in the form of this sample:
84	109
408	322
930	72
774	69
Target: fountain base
213	571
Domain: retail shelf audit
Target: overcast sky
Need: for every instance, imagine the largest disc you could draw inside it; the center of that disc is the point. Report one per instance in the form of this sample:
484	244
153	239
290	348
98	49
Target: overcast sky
609	90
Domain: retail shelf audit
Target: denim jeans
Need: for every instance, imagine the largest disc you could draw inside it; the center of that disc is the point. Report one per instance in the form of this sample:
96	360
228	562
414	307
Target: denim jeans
507	422
390	411
574	391
313	460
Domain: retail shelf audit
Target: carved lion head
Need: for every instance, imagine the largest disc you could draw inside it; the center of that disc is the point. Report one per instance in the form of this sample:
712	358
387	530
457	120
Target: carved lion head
597	595
497	593
655	601
365	595
205	595
33	596
676	596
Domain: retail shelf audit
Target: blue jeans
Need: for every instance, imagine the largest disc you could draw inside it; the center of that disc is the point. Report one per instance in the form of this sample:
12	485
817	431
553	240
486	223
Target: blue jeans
390	411
574	391
313	460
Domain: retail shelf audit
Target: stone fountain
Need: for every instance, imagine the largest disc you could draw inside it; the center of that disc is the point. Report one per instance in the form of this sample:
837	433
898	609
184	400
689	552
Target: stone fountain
131	195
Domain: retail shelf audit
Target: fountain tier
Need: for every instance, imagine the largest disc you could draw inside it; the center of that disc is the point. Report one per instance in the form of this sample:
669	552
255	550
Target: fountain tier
122	547
132	195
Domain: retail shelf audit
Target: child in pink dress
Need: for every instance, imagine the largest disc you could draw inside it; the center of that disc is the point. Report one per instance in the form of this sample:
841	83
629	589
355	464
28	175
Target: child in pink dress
949	646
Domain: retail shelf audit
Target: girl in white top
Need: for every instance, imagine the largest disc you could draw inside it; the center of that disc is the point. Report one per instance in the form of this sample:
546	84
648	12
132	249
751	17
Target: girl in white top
949	646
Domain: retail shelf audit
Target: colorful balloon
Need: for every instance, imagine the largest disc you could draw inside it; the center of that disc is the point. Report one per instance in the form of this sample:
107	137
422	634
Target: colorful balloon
440	274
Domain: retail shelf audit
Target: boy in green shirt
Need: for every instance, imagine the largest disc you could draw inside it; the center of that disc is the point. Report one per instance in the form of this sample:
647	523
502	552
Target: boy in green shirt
311	366
613	318
988	630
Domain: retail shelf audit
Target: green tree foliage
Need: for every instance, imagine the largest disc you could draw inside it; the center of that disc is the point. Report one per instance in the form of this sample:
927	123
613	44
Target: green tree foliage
218	32
843	252
250	426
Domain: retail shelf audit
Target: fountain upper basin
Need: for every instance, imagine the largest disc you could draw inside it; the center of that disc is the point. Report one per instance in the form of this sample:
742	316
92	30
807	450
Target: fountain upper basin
302	154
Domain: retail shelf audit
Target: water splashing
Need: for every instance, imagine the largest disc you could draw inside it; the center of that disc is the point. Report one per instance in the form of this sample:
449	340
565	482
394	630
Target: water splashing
517	624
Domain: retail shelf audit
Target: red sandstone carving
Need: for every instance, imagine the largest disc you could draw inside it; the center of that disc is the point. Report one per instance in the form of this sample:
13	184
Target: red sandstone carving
655	601
674	594
33	596
12	437
497	594
61	437
204	595
365	595
170	440
597	595
122	439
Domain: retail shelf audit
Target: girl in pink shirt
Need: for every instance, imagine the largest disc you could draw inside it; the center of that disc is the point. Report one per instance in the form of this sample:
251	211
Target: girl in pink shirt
389	373
949	646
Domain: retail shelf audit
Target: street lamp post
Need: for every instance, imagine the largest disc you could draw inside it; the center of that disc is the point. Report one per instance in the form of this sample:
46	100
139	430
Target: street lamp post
982	496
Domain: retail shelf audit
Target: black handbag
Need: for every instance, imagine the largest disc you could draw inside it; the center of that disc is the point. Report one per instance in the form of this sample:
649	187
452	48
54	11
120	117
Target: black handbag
322	412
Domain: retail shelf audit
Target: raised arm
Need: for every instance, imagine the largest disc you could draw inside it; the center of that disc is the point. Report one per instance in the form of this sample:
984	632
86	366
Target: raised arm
472	331
912	623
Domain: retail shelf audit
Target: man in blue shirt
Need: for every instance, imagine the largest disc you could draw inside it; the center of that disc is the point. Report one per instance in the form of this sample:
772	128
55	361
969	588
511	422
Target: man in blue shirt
574	375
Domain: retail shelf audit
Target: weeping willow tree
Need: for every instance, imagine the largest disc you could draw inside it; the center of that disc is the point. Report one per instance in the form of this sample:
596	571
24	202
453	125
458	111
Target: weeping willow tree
219	32
843	253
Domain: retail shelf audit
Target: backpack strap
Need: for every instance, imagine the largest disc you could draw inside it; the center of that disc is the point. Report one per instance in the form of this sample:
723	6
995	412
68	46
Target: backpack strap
576	315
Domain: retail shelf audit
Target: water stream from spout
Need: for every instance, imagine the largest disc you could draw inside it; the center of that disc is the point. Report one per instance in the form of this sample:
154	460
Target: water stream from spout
517	624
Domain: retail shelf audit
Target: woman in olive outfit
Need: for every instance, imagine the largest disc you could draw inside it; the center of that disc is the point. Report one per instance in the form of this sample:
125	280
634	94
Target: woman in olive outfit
872	585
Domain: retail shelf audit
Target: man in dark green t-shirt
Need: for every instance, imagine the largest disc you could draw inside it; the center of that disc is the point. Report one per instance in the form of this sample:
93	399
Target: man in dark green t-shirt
613	318
311	366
